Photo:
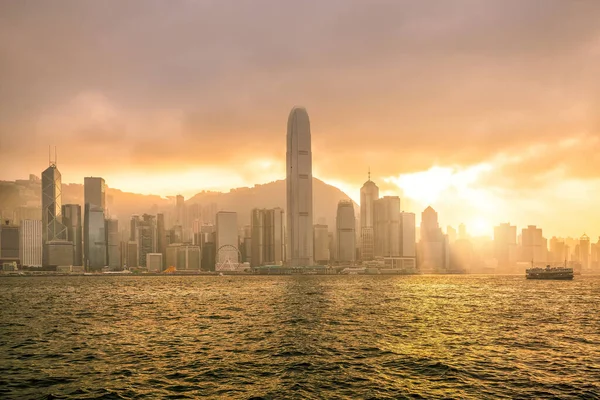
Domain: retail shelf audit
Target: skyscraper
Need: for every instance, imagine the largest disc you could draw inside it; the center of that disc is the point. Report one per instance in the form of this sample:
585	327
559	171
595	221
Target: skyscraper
386	213
54	232
146	238
345	232
72	220
94	226
321	246
534	247
368	194
408	240
266	237
161	240
434	256
113	255
299	189
505	246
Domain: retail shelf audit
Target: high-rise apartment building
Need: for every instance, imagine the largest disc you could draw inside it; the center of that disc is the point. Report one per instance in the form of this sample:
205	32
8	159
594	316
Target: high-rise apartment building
71	214
345	232
31	242
299	230
267	237
369	193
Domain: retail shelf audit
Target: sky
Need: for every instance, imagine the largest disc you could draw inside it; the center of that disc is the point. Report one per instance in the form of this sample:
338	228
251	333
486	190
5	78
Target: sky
489	111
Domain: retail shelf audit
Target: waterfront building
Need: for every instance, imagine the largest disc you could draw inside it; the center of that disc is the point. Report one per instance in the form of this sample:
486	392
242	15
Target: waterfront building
299	229
369	193
434	254
154	262
94	229
30	246
73	222
345	232
321	247
386	215
112	244
267	237
505	247
146	234
534	246
9	243
408	240
53	229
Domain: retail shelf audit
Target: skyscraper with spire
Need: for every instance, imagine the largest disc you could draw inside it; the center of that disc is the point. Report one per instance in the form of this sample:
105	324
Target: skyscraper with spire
368	194
299	189
56	249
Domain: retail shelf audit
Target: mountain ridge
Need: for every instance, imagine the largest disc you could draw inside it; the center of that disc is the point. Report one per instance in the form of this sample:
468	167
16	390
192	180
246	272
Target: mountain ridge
122	204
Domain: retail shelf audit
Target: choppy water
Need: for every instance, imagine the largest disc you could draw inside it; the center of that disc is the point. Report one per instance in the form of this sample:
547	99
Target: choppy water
299	337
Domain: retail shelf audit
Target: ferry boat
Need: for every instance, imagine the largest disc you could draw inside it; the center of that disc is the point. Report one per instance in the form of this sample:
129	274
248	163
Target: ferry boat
555	273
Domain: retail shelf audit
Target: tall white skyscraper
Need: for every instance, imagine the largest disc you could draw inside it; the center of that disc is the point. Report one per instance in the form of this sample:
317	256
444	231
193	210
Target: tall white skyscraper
299	189
31	242
368	194
345	232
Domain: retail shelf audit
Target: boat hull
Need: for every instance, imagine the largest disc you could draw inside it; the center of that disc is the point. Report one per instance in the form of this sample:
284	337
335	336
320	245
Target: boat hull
552	278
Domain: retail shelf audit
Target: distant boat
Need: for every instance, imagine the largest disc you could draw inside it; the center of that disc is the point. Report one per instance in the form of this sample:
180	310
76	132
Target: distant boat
550	273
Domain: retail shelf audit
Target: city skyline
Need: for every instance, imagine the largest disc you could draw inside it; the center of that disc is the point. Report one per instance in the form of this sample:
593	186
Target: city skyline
445	109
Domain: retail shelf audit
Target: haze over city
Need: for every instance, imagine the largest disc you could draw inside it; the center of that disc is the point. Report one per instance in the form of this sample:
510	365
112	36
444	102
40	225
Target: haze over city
486	111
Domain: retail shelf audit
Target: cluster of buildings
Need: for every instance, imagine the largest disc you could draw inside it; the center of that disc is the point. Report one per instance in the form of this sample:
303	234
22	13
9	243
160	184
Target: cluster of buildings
379	236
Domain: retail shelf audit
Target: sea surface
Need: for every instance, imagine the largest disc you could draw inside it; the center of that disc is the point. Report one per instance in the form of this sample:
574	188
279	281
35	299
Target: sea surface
471	337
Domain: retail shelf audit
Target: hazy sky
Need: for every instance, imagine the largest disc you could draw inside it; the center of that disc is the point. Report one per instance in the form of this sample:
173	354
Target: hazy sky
487	110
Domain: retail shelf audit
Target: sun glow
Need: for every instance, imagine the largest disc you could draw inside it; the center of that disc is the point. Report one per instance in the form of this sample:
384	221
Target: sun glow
480	226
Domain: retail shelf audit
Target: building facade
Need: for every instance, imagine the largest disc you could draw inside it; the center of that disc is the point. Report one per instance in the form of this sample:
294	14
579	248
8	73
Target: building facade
31	242
345	232
369	193
321	246
267	237
72	220
53	229
386	213
94	227
299	198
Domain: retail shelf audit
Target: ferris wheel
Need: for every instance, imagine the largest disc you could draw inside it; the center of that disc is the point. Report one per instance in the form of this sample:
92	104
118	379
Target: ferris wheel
228	258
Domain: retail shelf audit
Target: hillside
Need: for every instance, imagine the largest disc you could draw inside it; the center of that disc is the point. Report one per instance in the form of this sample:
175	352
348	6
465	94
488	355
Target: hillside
123	204
272	194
